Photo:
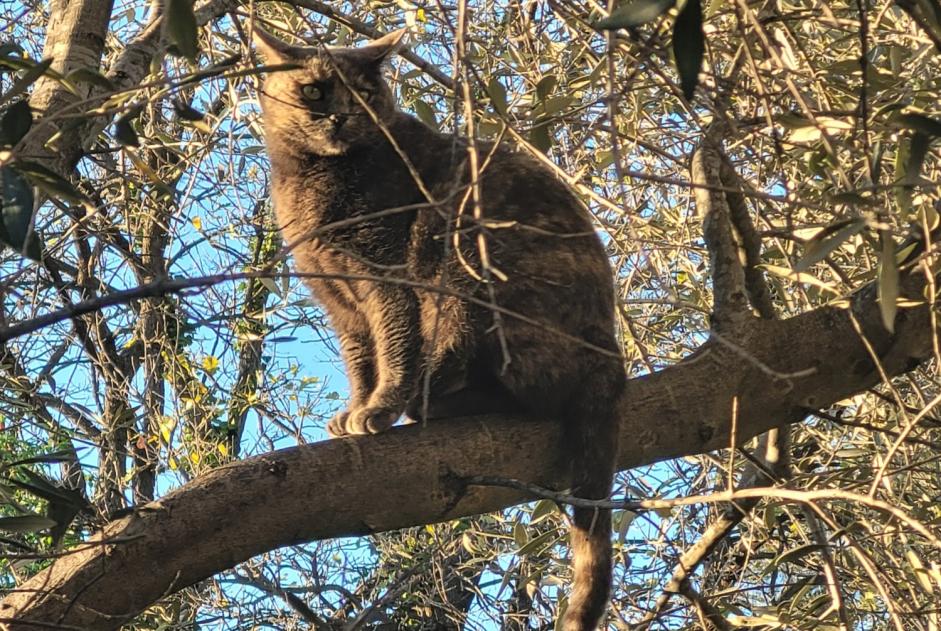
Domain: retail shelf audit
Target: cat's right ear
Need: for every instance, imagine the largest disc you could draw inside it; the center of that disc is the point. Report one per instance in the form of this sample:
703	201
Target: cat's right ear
275	50
380	50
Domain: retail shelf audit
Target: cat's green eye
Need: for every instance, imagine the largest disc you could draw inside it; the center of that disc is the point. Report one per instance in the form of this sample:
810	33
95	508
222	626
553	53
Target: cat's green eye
365	94
312	92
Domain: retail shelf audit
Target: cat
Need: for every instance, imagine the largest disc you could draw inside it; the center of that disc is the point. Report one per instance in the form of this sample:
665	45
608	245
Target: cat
378	205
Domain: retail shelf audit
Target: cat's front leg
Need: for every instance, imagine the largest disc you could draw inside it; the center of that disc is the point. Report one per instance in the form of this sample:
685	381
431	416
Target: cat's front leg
358	352
393	316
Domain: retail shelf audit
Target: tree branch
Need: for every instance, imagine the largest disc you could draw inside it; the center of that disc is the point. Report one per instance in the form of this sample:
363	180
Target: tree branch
730	309
415	475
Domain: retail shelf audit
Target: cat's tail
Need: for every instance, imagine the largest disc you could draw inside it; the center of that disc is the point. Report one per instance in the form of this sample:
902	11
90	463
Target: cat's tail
591	439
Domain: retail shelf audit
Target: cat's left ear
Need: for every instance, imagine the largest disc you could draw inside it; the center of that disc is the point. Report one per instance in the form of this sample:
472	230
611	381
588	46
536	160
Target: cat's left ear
276	51
381	49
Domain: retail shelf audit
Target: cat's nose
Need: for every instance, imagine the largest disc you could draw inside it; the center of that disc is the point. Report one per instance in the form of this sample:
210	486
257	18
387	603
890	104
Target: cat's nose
337	120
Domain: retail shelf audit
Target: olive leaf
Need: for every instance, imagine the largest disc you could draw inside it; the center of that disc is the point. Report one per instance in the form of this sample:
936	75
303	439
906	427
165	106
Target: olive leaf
180	25
635	13
689	46
16	208
26	523
888	282
16	122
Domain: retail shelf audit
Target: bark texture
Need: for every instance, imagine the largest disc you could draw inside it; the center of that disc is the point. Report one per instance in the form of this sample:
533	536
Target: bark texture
414	475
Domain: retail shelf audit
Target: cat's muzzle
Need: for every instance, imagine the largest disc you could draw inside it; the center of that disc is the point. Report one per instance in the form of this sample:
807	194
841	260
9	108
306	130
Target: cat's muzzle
337	120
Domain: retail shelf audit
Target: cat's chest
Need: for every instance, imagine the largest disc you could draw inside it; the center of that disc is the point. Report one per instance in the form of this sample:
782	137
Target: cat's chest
339	223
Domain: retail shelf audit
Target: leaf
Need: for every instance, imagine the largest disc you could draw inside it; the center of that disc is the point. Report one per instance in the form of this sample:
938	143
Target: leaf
26	523
152	175
827	240
425	113
921	574
545	87
36	70
556	104
7	48
800	277
794	554
622	521
540	137
16	122
888	282
917	122
542	508
88	75
916	157
664	512
689	46
61	455
810	132
538	544
805	134
903	194
124	132
468	544
44	488
210	363
270	285
50	182
180	24
635	13
497	94
16	200
186	112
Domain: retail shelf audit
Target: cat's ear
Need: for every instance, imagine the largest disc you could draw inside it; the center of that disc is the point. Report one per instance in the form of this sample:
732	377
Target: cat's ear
275	50
381	49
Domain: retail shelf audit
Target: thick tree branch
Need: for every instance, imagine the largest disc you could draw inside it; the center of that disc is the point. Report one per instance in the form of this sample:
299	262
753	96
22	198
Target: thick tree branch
75	38
414	475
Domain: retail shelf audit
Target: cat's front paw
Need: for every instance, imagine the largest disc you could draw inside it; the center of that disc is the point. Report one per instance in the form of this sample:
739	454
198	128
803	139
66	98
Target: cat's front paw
336	426
368	420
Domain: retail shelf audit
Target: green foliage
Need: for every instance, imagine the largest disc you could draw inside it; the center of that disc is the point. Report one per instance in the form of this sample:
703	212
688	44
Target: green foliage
840	162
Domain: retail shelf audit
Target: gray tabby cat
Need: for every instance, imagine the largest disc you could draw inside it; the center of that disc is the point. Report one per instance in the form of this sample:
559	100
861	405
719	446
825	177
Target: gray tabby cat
330	127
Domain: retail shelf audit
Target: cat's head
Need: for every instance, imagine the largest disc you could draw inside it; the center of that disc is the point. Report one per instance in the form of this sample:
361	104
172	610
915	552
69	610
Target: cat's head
312	108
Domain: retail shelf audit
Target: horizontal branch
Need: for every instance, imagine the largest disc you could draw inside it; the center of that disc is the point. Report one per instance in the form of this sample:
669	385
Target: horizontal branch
416	475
